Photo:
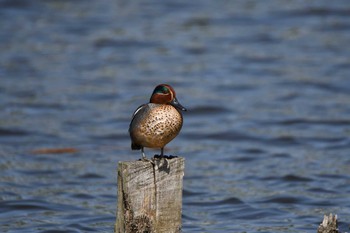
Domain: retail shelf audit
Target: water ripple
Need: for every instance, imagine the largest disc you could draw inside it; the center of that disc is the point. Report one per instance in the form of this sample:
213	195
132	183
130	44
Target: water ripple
285	200
33	205
316	11
297	121
91	176
228	201
207	110
124	44
289	178
13	132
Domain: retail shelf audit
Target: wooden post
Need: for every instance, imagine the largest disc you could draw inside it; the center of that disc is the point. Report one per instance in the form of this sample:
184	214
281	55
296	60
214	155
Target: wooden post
329	224
150	196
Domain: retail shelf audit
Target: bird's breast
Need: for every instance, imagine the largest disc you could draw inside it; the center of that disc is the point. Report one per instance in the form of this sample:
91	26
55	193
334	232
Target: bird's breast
156	125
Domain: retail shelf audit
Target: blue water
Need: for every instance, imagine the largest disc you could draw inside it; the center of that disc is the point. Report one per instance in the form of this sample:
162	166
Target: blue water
267	87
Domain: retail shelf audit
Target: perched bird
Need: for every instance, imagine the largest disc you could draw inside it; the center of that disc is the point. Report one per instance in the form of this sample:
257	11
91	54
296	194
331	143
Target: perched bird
155	124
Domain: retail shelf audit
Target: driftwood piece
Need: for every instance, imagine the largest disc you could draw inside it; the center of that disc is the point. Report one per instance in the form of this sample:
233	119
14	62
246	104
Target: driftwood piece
150	196
329	224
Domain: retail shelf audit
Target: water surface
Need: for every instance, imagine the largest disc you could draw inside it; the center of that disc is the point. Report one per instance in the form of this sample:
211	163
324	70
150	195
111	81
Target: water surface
266	138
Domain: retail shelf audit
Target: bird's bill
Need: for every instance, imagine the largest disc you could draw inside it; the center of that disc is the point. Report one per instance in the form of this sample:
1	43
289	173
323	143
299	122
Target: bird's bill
177	105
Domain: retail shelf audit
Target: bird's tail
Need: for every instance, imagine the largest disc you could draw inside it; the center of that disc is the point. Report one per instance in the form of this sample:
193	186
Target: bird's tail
135	146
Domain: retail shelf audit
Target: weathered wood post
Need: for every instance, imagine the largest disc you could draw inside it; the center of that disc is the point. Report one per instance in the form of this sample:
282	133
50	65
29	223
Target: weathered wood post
150	196
329	224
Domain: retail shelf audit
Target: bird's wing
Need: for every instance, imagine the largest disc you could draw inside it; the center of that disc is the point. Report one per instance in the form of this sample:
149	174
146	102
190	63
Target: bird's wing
134	114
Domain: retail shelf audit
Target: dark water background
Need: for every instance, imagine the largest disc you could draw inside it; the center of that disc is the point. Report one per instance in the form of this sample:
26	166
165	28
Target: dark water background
267	84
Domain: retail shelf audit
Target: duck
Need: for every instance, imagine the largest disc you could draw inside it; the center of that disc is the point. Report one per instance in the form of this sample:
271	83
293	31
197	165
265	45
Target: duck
158	122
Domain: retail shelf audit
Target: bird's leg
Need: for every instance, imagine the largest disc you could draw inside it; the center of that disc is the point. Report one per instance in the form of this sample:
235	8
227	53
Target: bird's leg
165	156
143	154
144	158
156	156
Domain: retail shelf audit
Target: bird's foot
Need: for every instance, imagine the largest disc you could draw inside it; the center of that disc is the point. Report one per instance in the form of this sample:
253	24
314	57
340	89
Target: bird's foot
164	156
144	159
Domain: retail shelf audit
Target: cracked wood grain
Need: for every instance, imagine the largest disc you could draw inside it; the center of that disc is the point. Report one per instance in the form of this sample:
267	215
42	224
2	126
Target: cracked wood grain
150	196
